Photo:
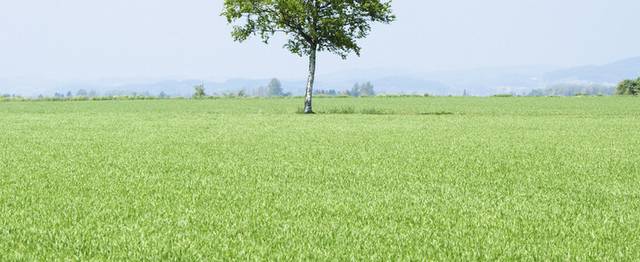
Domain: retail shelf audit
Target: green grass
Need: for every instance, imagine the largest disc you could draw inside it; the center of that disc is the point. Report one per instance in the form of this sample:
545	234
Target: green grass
434	178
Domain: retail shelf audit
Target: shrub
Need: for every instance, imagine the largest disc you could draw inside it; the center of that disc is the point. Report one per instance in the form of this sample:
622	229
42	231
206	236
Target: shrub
198	91
342	110
629	87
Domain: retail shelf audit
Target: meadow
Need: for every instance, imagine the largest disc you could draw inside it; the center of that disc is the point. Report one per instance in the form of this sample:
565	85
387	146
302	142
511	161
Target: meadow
403	178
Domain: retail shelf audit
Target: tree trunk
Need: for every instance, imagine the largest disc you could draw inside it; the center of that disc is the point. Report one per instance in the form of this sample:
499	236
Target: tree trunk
312	74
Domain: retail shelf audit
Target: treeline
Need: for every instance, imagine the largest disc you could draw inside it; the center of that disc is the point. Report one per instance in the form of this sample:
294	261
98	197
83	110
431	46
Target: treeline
7	97
574	89
273	89
82	95
365	89
629	87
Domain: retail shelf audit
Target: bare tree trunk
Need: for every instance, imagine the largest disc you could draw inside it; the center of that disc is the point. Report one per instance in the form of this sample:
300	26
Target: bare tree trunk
312	74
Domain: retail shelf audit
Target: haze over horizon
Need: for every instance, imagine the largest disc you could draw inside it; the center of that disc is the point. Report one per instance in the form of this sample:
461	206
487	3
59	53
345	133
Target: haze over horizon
164	39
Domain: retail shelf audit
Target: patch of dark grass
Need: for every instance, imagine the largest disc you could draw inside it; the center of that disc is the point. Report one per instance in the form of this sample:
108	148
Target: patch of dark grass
438	113
340	110
351	110
348	110
371	111
374	111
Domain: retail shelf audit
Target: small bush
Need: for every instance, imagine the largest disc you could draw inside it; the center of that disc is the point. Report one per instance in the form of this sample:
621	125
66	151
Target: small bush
342	110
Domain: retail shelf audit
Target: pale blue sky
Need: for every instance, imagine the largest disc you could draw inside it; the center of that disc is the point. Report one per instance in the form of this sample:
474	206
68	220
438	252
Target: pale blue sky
92	39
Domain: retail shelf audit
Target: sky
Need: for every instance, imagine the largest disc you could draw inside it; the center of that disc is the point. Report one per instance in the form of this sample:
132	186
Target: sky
187	39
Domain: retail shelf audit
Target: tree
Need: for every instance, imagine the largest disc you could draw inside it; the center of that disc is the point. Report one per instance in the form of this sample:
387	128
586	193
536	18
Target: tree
330	92
199	91
82	93
366	89
629	87
311	26
275	88
355	90
260	91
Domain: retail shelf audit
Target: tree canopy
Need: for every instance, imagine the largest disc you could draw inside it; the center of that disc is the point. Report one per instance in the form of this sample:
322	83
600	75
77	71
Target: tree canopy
275	88
198	91
629	87
321	25
365	89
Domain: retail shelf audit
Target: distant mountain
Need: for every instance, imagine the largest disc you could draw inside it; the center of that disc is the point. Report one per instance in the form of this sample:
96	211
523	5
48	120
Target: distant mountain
610	73
410	85
484	81
489	81
385	81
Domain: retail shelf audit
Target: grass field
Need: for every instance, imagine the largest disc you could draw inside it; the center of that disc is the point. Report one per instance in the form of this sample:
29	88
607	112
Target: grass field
438	178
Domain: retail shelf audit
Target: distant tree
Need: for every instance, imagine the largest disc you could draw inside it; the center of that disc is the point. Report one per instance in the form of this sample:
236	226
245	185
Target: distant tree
162	95
366	89
92	93
82	92
330	92
261	91
355	90
199	91
310	25
275	88
629	87
69	94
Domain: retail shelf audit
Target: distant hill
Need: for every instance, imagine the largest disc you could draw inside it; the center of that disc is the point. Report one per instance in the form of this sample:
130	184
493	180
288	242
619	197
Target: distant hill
484	81
520	80
610	73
